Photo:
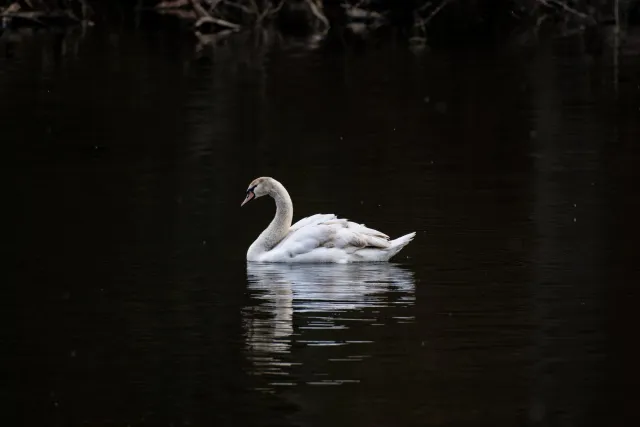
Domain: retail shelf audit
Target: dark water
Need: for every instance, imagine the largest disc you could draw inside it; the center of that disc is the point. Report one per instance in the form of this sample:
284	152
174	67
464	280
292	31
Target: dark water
128	299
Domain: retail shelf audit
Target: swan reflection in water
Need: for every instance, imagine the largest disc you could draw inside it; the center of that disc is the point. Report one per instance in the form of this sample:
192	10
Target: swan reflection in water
299	303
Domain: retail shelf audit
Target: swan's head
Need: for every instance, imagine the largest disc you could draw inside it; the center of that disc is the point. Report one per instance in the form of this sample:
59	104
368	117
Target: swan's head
258	188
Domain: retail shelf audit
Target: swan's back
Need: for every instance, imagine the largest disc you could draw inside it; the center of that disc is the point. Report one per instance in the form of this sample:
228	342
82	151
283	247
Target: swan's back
327	238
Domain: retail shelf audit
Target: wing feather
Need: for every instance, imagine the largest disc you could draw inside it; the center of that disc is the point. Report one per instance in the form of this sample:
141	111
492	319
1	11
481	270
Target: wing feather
323	232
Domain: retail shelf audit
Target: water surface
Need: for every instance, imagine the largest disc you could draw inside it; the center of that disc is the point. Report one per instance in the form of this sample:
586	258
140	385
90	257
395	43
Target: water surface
127	156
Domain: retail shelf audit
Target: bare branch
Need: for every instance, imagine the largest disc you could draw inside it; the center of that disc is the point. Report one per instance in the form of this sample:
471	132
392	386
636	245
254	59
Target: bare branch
213	4
572	10
268	11
201	11
318	13
186	14
424	7
217	21
13	8
255	6
435	12
242	7
171	4
277	8
87	10
206	17
567	8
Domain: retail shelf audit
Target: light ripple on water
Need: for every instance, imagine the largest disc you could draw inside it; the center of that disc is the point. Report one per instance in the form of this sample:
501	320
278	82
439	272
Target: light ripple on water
296	302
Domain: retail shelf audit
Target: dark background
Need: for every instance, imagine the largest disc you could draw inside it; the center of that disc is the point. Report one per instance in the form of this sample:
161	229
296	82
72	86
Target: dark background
128	300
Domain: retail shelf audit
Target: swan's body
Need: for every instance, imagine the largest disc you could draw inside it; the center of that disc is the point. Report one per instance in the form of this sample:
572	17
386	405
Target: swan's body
317	238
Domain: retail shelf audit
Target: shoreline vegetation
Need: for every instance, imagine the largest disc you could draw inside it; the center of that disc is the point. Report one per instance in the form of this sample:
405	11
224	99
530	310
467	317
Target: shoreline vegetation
420	24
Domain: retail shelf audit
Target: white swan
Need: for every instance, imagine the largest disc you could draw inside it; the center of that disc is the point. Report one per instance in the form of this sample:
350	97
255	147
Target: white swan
317	238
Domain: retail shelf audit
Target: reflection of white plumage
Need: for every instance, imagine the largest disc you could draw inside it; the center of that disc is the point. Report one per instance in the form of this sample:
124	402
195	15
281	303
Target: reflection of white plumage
318	238
322	287
319	296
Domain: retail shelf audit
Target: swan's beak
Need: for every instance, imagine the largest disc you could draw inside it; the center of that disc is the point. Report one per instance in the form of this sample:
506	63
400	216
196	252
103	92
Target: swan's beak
250	195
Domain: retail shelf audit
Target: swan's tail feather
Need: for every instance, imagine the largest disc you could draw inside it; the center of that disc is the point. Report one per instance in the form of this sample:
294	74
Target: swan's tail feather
396	245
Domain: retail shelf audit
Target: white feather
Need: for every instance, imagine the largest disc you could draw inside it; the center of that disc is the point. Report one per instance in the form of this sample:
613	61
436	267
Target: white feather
318	238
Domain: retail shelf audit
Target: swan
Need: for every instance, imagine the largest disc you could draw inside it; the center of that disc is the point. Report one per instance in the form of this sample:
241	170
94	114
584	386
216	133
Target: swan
318	238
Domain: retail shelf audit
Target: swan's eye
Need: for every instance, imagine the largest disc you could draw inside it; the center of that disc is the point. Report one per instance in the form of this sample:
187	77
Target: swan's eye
251	189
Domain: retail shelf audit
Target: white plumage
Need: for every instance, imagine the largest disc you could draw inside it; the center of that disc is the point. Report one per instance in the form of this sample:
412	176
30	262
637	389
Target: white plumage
317	238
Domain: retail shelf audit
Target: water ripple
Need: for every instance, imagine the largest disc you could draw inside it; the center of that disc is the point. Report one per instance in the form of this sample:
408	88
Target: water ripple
319	307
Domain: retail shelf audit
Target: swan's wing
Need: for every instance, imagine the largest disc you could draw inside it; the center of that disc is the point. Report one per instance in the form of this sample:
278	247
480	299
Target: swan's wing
327	231
313	219
306	231
362	229
357	236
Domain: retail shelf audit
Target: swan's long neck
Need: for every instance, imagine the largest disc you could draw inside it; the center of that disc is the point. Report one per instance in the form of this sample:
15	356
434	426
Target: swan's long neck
279	226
